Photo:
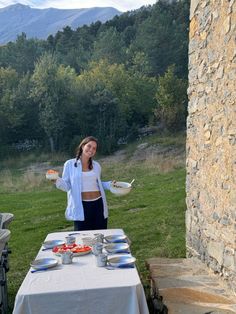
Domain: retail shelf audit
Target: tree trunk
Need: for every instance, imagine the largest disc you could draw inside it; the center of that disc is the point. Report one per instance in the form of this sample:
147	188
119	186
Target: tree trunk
52	147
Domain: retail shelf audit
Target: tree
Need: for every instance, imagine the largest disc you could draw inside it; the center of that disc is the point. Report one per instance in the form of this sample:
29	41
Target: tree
140	64
135	92
98	112
109	45
53	89
163	37
22	54
171	99
10	116
106	119
27	109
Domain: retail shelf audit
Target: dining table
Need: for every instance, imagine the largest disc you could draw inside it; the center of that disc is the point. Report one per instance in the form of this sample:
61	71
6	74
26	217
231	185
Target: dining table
81	287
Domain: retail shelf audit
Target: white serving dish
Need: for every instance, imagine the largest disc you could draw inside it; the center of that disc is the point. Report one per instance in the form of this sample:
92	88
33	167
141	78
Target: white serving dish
120	188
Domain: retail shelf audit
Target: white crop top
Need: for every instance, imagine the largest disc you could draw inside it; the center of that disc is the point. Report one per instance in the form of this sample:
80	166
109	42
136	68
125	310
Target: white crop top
89	181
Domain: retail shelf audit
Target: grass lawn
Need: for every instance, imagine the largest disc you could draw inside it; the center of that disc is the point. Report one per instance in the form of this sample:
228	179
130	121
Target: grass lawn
152	216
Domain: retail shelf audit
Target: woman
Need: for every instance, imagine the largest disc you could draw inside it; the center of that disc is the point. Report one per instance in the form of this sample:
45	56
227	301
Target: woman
81	179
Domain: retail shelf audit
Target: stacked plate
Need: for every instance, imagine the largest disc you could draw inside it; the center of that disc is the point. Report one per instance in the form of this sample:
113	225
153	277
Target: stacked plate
122	261
116	238
117	248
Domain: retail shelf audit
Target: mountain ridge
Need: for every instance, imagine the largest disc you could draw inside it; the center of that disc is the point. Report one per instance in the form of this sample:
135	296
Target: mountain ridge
40	23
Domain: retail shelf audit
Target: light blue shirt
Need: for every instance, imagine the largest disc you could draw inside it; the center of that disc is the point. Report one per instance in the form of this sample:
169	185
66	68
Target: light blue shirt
71	182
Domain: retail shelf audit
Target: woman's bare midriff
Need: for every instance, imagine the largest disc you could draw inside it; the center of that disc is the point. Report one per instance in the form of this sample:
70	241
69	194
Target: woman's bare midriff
90	195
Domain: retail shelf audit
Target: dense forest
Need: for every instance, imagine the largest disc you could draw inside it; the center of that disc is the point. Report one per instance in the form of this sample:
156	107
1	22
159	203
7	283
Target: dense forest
107	80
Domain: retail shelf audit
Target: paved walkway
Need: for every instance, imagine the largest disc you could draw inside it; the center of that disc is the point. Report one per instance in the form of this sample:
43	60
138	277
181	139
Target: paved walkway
189	287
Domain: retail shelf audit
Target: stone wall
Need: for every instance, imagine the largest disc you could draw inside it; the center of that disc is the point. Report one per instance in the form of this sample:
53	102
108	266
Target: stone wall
211	136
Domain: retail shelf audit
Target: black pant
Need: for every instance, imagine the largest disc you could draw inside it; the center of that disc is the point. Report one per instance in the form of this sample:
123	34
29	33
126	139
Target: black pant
93	216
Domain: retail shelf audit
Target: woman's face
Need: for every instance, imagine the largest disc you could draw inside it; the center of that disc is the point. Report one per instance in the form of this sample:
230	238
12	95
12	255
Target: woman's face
90	149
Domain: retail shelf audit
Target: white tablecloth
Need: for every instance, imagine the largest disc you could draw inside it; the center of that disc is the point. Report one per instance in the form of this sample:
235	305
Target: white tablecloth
81	287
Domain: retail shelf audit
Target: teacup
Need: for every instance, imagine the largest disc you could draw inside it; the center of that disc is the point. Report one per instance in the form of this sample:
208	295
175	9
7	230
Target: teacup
97	248
66	257
70	240
99	237
88	241
101	260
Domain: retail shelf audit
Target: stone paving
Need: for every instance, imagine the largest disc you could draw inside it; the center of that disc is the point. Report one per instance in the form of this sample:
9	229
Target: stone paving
189	287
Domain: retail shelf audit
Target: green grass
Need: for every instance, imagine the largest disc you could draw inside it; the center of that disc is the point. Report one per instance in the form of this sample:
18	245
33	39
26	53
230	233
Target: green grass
152	216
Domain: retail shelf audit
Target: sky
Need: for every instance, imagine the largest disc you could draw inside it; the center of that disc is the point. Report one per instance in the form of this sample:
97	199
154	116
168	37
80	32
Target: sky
121	5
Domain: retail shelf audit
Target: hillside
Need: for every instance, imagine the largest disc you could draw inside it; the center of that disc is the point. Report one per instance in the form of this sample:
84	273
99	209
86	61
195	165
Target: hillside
159	152
40	23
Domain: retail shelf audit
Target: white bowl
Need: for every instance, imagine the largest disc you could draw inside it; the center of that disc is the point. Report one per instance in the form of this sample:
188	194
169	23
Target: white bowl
52	176
120	188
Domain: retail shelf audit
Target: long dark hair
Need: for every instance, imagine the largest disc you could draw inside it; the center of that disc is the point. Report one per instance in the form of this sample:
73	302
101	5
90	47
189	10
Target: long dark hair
79	150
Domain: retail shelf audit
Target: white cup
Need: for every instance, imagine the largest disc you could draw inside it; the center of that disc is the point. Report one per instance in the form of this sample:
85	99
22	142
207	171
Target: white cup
70	240
66	257
101	260
99	237
88	241
97	248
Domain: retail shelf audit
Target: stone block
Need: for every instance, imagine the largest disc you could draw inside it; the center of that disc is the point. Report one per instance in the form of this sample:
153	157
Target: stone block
229	262
188	220
193	27
216	250
220	72
228	235
210	232
226	25
193	7
219	141
215	216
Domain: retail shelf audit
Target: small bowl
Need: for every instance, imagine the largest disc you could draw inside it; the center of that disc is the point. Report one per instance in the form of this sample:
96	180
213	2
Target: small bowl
52	175
120	188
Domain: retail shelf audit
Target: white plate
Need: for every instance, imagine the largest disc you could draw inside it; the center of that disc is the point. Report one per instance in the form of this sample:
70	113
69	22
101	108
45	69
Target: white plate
82	253
121	261
76	254
51	244
116	238
44	263
117	248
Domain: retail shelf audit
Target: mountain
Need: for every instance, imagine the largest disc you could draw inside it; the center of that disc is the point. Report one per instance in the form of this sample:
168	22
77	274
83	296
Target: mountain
40	23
